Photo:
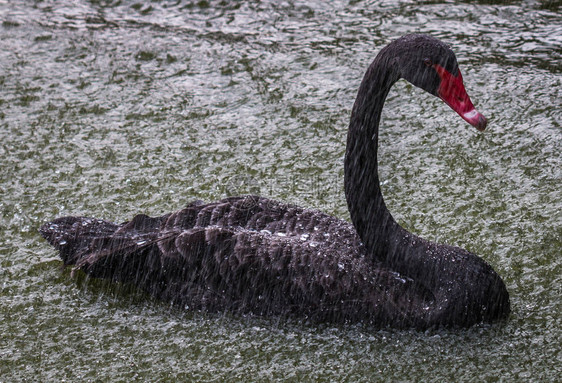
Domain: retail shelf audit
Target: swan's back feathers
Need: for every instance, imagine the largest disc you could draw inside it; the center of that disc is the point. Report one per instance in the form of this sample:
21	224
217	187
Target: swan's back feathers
243	254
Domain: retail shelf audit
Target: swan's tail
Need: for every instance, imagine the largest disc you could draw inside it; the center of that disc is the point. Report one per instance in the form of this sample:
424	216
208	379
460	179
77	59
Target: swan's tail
73	236
106	250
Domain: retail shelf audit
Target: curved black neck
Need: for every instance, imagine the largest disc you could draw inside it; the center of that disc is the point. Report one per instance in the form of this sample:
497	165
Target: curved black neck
373	222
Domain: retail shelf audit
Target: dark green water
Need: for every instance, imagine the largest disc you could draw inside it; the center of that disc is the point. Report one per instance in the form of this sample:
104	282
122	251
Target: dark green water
112	108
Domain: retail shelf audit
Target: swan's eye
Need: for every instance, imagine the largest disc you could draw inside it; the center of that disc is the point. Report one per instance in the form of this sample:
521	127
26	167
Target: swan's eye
427	62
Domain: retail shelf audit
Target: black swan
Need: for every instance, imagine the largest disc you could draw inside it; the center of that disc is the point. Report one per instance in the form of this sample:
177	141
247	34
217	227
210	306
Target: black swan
254	255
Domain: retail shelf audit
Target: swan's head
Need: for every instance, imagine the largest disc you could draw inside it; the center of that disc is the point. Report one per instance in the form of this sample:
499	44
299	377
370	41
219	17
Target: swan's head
431	65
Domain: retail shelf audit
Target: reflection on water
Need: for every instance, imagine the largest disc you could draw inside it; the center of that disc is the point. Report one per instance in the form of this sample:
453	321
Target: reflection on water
111	108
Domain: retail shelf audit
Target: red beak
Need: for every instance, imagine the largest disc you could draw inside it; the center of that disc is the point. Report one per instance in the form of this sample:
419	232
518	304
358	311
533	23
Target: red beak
451	90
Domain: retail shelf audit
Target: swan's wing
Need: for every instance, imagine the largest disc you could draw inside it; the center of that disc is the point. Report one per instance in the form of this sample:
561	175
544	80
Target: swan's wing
254	256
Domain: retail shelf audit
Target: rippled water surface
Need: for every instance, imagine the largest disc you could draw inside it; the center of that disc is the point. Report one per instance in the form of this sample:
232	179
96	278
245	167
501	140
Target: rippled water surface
112	108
